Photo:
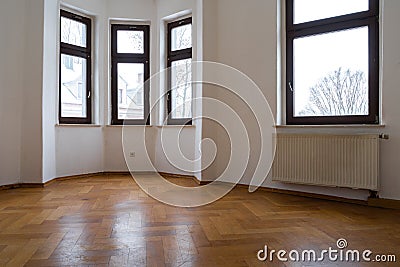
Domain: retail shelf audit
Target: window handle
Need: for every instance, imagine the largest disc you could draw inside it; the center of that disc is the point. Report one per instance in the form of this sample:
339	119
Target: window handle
290	86
89	95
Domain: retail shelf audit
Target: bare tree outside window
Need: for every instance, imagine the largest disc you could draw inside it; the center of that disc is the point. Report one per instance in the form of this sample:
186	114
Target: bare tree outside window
129	41
181	71
137	40
130	87
340	93
73	32
181	37
332	62
182	88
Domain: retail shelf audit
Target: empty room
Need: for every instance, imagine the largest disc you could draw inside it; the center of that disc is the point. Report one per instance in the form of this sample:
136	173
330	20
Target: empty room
199	133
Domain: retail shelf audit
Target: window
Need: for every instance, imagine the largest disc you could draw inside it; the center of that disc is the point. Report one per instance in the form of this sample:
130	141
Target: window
332	62
179	96
130	46
75	69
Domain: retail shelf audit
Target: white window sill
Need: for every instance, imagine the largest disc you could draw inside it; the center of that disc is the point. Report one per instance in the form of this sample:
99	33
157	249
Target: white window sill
150	126
79	125
374	126
175	126
132	126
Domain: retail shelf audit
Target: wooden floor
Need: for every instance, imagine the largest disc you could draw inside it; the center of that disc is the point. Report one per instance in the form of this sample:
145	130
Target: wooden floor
109	221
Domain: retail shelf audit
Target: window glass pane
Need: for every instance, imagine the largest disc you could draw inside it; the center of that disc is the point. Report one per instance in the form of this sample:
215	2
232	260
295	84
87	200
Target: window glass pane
73	87
181	90
309	10
181	37
331	74
130	91
130	42
73	32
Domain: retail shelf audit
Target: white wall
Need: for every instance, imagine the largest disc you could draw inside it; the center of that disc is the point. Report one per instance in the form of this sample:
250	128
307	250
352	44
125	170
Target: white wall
31	145
247	40
33	149
90	149
390	163
140	11
119	142
390	69
175	150
86	149
188	138
255	54
70	150
20	91
79	150
11	84
49	95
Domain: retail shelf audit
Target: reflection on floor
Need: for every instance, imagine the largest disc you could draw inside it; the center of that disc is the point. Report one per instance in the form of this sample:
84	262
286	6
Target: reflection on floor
108	221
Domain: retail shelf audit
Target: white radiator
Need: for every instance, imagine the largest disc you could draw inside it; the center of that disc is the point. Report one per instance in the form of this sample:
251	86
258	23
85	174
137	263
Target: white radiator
328	160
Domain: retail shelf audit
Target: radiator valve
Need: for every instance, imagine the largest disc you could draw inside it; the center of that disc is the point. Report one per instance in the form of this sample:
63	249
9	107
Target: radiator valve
384	136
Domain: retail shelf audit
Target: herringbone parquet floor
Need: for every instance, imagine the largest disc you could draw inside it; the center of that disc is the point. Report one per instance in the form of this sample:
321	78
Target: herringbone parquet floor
109	221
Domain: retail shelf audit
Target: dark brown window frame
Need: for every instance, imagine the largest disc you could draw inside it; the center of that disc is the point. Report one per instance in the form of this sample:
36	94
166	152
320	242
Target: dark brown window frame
368	18
171	57
129	58
82	52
